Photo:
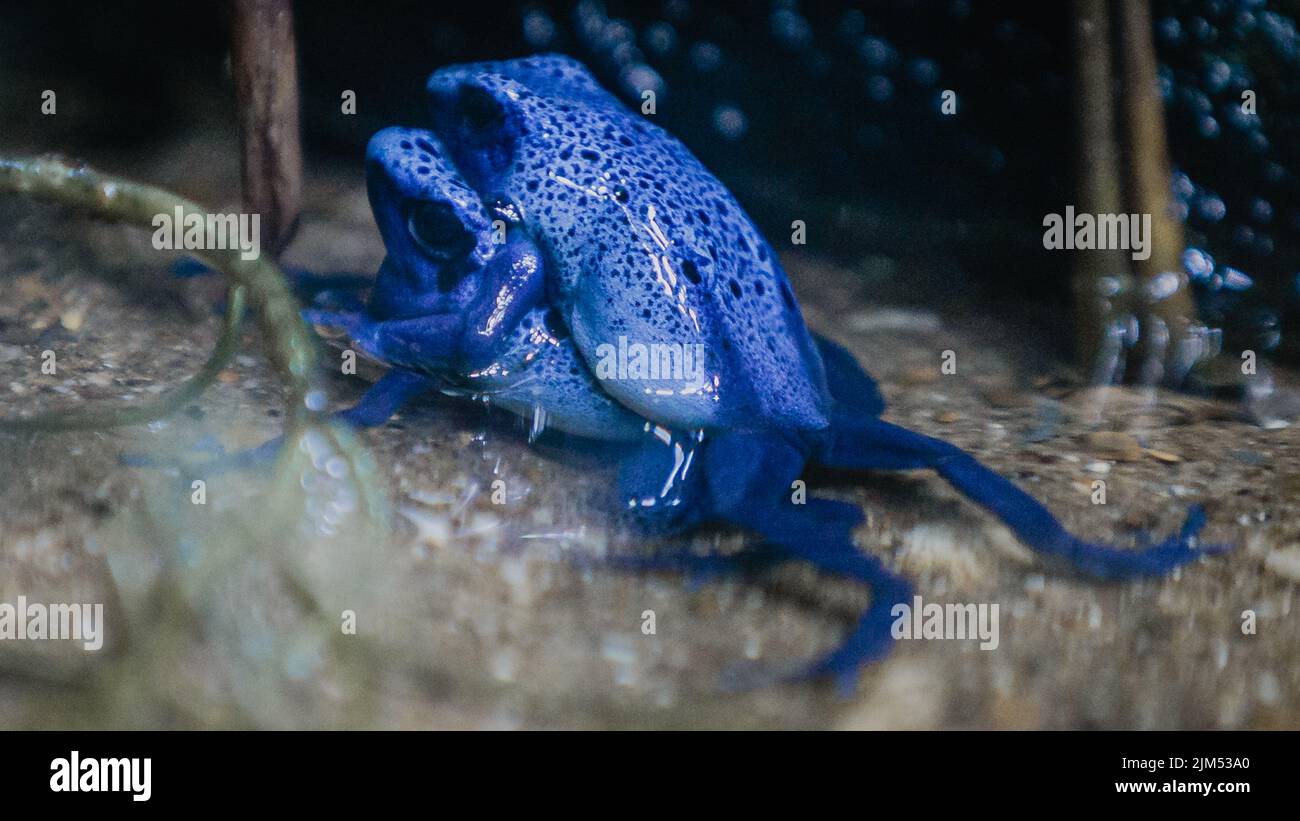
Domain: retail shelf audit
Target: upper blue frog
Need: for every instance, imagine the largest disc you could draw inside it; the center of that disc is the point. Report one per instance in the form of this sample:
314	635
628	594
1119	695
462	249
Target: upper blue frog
640	240
538	228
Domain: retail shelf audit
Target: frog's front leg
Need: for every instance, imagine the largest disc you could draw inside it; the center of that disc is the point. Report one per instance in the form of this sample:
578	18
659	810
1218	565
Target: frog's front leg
414	344
513	284
510	285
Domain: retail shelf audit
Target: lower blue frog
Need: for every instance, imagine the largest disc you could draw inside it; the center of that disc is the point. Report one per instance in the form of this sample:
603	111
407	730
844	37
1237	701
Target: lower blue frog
552	250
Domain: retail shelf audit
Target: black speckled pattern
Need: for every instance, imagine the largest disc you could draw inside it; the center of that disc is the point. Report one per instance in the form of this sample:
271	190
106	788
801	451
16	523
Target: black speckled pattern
642	241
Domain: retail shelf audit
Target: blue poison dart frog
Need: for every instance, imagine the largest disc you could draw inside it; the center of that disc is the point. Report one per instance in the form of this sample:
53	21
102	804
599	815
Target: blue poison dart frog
553	251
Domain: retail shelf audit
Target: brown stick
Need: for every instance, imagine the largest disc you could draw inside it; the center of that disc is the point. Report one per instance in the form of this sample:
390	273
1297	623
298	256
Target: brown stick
1097	171
266	91
1147	162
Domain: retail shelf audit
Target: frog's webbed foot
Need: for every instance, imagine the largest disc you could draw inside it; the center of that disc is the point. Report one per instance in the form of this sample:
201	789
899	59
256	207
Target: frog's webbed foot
871	444
1103	561
820	533
356	324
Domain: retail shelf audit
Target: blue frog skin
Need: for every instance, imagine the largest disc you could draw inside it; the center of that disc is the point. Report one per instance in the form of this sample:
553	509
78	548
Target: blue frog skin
553	251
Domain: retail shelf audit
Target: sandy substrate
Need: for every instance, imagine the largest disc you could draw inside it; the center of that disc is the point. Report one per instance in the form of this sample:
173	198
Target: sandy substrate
475	614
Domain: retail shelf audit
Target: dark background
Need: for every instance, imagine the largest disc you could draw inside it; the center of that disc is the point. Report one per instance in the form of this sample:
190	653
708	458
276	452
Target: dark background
823	111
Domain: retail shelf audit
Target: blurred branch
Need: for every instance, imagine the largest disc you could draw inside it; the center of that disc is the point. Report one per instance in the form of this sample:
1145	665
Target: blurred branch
290	344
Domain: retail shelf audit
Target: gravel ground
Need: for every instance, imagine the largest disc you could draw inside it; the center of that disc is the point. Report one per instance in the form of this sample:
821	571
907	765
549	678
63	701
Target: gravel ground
473	614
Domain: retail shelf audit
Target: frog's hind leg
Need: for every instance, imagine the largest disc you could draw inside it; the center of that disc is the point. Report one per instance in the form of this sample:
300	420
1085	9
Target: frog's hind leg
850	386
747	479
859	443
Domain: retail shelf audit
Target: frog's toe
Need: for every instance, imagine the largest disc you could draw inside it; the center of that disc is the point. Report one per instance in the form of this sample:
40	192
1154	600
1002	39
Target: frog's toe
360	328
872	637
332	292
1158	559
870	640
747	479
377	406
189	267
207	445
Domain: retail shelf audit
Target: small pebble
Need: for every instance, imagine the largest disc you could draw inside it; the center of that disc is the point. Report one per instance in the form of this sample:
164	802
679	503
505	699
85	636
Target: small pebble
920	376
1268	689
72	320
1164	456
1048	415
1285	562
1005	397
1250	457
1135	519
897	320
1120	447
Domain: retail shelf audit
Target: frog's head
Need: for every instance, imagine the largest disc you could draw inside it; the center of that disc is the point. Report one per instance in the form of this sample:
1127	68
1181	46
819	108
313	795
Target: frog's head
434	225
481	119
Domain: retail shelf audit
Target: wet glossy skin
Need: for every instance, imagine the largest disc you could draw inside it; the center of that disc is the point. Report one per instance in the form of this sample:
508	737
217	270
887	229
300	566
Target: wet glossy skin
538	225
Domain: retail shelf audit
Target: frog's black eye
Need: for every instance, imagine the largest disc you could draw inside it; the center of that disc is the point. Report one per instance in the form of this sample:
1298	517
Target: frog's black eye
438	231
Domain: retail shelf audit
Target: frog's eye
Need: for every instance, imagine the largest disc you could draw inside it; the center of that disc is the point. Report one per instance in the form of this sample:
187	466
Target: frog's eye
437	230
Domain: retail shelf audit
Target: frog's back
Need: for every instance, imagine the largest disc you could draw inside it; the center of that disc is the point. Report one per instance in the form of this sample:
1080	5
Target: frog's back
646	245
